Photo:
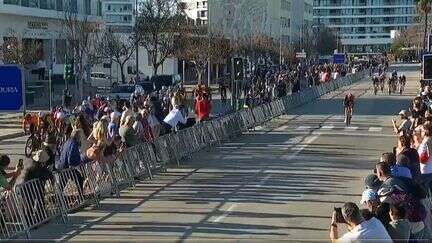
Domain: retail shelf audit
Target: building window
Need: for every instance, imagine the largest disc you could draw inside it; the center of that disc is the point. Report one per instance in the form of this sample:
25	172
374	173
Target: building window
59	5
14	2
99	8
150	57
60	51
87	7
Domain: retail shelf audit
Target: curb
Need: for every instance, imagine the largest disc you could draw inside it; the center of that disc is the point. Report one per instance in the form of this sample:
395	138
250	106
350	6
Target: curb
12	135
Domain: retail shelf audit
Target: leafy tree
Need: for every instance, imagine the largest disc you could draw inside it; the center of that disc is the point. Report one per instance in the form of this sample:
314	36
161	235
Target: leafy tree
424	7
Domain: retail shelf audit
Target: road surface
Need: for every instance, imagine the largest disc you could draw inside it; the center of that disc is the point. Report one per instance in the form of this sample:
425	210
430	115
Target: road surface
279	182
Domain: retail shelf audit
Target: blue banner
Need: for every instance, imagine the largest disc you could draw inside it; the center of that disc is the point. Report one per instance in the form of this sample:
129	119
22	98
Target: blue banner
339	58
11	88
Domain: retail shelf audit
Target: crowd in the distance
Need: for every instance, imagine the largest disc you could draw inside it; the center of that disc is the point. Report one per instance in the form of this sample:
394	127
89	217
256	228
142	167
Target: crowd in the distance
268	84
396	202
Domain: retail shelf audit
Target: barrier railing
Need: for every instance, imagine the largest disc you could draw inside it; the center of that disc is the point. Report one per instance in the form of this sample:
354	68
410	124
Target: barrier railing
35	202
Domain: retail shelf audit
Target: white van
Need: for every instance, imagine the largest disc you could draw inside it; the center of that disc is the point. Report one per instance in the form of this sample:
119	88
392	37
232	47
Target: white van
100	79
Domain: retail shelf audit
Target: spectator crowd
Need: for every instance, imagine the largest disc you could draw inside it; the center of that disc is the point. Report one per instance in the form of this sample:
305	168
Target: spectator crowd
396	201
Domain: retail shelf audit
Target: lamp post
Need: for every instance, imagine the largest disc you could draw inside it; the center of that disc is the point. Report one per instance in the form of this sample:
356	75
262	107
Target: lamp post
136	40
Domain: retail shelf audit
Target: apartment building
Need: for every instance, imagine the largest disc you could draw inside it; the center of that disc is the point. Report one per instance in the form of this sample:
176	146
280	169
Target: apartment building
364	26
197	10
119	15
251	17
40	20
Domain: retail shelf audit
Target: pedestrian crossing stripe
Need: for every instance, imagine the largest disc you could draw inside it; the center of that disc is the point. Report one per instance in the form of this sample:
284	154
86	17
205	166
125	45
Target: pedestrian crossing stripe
303	128
375	129
286	128
351	128
282	128
327	127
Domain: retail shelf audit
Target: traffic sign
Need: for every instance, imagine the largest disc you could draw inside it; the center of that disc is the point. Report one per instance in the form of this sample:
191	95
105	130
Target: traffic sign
11	88
301	55
427	67
339	58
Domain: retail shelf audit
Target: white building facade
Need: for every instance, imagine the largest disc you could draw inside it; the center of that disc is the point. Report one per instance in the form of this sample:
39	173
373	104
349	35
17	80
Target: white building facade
364	26
40	20
301	19
119	15
197	10
245	18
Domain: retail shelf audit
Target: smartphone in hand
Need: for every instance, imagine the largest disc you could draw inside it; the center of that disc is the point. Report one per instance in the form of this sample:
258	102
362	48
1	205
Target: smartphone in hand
20	164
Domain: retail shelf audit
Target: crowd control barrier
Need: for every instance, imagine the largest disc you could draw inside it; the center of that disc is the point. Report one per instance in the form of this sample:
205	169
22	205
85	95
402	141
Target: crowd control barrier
36	202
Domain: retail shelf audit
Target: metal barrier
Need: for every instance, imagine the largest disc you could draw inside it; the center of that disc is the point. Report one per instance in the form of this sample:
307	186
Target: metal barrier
12	221
35	202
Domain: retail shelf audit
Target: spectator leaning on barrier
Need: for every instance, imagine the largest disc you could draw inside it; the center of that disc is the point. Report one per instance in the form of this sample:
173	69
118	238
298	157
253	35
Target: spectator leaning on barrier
70	154
359	229
404	152
202	107
127	132
4	176
424	151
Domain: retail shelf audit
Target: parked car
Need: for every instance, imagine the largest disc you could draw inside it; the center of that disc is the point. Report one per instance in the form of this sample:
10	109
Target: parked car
165	80
123	91
100	79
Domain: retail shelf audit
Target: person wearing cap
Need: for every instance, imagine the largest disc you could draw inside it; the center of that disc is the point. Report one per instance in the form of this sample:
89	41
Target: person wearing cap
370	200
405	127
113	126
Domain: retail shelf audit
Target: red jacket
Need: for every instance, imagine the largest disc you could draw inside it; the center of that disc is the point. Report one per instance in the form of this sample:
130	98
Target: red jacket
202	108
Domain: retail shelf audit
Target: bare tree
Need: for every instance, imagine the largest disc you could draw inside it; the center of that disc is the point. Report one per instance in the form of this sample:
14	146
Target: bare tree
15	50
201	47
159	24
118	48
81	34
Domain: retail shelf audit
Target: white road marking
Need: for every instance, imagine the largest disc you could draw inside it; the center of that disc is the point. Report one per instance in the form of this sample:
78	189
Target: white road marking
303	128
327	127
282	128
301	147
333	133
263	181
351	128
227	212
375	129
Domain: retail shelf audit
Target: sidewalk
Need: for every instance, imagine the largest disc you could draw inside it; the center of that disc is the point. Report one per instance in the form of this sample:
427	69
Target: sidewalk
10	125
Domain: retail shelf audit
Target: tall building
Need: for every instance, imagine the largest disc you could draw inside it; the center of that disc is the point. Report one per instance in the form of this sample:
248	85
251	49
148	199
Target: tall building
301	19
364	26
119	15
244	18
40	20
197	10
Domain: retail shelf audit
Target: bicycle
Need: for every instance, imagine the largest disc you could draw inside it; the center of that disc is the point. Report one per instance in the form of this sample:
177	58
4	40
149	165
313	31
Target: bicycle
33	144
348	115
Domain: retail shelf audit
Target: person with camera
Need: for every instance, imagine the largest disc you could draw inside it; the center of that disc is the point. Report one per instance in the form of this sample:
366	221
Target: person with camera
359	229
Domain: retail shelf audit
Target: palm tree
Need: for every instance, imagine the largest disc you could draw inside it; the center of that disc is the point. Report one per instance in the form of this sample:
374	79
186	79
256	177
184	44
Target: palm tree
424	6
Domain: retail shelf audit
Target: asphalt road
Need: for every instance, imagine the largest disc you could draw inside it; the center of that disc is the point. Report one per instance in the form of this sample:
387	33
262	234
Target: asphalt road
279	182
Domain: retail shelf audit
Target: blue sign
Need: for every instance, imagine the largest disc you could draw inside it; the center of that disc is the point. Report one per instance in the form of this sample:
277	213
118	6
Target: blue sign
11	88
339	58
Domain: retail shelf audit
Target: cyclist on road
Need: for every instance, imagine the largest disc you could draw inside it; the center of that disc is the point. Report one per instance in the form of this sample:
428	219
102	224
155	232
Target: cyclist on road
30	123
348	107
376	83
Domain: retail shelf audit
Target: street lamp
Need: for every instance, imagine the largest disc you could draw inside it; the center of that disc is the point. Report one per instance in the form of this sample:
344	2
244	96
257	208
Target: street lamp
136	40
